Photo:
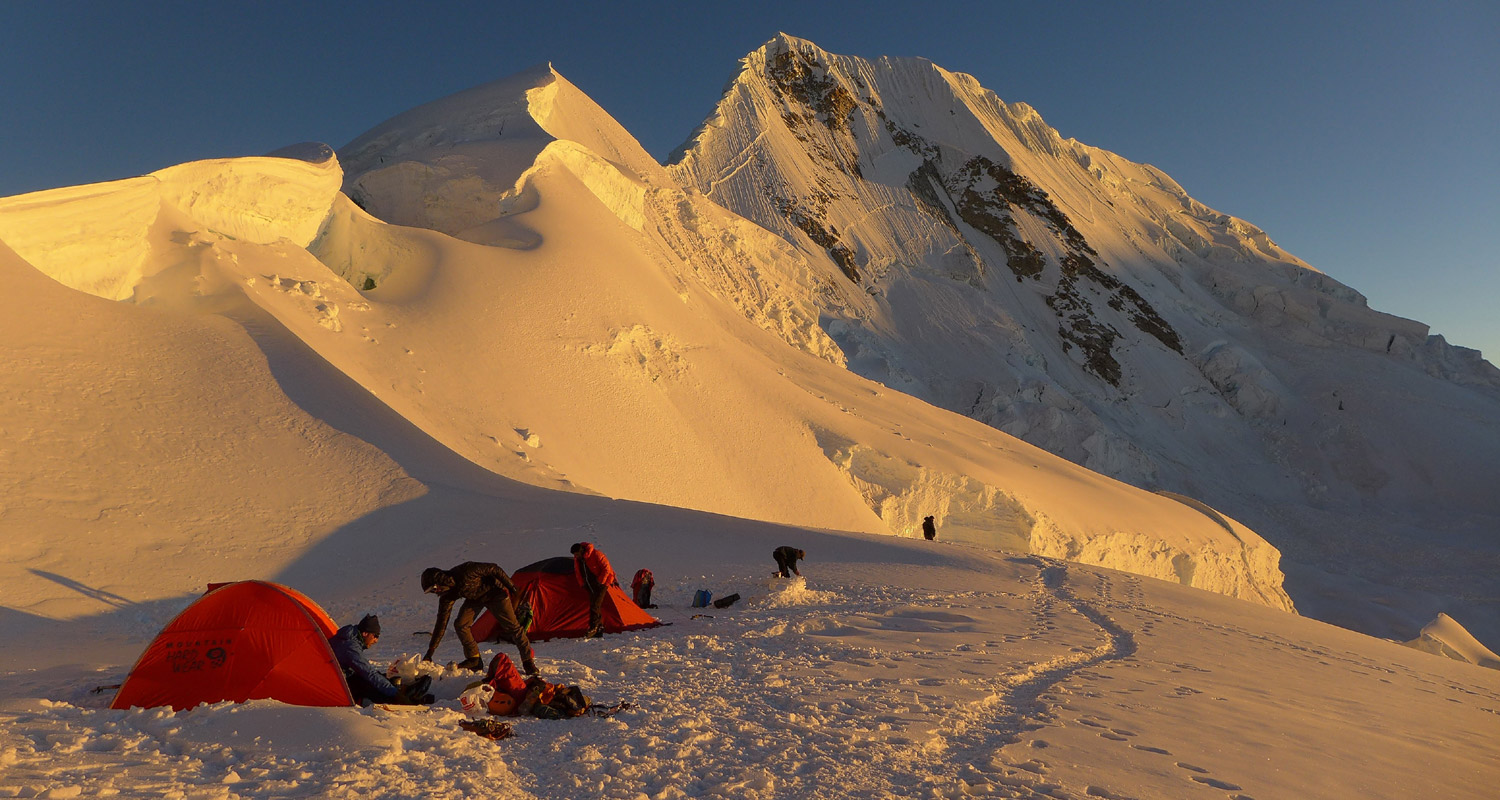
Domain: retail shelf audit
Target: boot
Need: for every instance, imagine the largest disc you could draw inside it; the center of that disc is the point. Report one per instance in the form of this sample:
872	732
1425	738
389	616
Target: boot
415	693
594	633
474	663
528	664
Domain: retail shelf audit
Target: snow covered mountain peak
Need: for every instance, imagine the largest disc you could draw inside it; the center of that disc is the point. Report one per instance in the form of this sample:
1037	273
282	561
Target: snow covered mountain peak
528	290
1062	293
525	293
453	165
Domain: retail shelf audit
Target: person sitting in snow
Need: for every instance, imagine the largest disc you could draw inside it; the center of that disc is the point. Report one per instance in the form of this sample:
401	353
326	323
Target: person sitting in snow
786	561
597	576
479	585
366	684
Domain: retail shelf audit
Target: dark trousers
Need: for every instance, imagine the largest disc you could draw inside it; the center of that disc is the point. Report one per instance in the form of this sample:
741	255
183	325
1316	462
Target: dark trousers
363	693
507	629
643	595
784	568
596	607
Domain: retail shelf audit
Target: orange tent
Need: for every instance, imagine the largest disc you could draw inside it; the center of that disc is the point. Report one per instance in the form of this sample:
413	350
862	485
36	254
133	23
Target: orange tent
560	604
249	640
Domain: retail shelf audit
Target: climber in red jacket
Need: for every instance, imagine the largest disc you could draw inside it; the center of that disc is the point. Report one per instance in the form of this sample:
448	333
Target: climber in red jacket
597	576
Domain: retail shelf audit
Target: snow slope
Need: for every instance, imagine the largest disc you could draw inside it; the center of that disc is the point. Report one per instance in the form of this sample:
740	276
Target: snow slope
134	436
899	668
1089	305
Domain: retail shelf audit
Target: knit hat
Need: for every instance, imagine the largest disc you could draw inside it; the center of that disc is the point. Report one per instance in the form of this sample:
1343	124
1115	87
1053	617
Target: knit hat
370	624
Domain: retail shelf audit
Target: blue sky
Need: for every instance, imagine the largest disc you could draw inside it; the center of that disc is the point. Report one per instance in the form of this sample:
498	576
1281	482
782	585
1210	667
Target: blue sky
1362	136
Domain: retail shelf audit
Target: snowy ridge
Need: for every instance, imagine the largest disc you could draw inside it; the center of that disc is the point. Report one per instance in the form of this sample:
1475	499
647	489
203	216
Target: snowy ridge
453	165
136	434
98	238
1445	637
978	260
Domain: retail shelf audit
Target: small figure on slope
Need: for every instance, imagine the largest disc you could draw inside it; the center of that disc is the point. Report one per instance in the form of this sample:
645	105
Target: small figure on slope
929	530
786	560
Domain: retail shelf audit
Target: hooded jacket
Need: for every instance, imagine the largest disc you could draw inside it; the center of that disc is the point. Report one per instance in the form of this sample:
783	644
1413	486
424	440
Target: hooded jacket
473	581
593	568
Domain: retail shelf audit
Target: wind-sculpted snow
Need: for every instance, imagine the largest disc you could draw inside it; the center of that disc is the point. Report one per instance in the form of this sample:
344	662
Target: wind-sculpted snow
1240	564
455	165
135	435
1445	637
1056	291
92	238
464	165
99	238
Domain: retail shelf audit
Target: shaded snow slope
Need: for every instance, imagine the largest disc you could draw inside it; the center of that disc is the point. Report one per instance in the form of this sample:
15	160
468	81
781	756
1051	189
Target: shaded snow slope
148	451
976	259
897	668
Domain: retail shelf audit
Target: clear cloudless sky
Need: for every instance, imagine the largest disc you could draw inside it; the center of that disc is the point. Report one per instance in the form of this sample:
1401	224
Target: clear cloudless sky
1362	136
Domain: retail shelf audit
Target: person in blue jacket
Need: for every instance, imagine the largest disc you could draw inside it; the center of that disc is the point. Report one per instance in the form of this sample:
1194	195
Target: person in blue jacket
366	683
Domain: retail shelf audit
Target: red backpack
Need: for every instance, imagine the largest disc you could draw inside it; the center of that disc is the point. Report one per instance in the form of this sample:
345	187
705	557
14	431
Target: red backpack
547	700
510	687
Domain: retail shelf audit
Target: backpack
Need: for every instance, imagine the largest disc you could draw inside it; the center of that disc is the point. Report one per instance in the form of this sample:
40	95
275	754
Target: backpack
524	615
510	687
556	701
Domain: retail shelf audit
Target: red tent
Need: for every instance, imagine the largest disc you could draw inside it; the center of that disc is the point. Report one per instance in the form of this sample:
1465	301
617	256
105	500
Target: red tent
249	640
560	604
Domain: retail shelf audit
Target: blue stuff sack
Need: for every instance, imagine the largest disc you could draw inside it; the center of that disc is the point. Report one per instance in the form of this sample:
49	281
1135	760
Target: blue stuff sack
702	598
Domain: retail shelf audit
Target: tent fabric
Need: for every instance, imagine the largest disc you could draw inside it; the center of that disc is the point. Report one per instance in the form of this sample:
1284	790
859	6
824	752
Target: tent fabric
560	604
250	640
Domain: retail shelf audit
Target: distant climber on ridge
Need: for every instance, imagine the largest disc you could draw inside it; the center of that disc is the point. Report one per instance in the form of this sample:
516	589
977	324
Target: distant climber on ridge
929	530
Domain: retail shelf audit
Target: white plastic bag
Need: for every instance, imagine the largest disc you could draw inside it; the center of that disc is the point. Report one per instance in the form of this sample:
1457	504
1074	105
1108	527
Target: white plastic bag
404	669
475	700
